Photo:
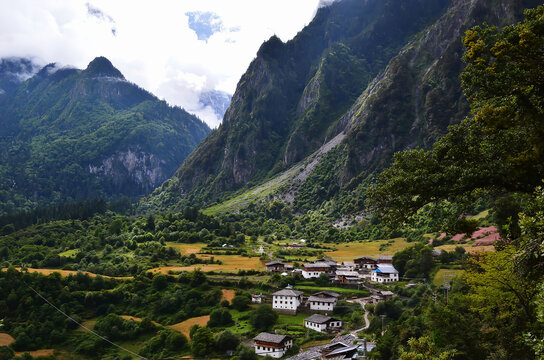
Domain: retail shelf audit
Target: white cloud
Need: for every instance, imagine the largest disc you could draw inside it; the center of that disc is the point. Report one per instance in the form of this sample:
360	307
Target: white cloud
151	42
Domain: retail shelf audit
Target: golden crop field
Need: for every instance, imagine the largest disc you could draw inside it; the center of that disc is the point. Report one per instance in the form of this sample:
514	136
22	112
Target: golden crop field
468	247
186	249
37	353
184	326
228	294
353	250
6	339
231	263
67	272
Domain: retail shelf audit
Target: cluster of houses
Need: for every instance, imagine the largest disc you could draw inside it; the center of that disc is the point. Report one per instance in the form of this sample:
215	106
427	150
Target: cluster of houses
379	270
322	303
344	347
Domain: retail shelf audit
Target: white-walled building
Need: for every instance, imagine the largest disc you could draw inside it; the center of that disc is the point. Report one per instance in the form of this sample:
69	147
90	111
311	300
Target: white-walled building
313	270
384	273
323	301
322	323
287	300
273	345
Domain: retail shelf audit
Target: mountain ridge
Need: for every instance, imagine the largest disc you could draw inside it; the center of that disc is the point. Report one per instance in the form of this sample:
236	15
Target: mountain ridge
376	126
70	134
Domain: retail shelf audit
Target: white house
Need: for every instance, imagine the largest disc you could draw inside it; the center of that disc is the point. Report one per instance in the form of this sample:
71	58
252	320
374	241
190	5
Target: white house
313	270
286	301
322	323
273	345
323	301
384	273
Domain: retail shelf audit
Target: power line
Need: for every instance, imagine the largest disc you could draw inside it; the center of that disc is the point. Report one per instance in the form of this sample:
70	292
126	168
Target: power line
83	326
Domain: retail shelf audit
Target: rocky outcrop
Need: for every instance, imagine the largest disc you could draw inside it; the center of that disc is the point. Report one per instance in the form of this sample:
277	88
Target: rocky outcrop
130	169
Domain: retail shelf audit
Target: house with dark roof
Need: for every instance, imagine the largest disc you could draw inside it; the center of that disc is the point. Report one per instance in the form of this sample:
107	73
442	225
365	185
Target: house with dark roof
323	301
314	270
318	352
365	263
287	301
347	277
273	345
322	323
277	266
385	259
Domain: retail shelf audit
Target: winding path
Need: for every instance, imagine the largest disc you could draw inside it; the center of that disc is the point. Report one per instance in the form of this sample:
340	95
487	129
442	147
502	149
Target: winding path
362	302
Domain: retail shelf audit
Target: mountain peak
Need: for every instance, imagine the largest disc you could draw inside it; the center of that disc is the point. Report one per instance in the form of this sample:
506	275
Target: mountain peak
101	66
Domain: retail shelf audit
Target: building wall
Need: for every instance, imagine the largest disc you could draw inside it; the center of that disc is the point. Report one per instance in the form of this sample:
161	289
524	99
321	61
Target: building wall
288	304
384	279
316	327
270	351
311	274
321	306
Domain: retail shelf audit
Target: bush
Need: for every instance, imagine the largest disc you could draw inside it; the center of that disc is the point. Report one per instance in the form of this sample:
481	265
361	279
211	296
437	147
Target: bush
220	317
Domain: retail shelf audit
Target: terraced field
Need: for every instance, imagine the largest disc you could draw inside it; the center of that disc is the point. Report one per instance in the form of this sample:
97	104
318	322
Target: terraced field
350	251
184	326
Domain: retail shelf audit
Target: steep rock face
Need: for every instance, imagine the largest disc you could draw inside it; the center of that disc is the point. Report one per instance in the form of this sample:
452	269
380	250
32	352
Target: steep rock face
291	98
67	134
409	105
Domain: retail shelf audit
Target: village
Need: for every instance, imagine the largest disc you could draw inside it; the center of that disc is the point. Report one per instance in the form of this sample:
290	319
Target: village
320	305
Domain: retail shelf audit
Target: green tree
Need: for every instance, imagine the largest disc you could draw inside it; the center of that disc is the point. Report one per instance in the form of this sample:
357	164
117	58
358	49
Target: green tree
202	342
499	149
424	349
220	317
226	341
263	318
240	302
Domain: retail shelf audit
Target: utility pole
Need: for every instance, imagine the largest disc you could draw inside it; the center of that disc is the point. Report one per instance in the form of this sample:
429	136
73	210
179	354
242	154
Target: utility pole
383	318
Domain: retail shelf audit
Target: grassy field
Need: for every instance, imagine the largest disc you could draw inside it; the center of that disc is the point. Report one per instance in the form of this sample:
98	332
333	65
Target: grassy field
37	353
228	294
297	319
350	251
6	339
68	272
184	326
468	247
439	276
240	326
231	264
186	249
343	291
70	253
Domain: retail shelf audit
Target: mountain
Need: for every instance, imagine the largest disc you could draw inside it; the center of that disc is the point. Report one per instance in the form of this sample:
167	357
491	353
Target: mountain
314	119
14	71
219	101
70	134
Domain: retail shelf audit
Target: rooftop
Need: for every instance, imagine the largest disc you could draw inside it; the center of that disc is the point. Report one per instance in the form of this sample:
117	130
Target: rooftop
317	265
318	319
274	262
322	299
327	293
271	338
315	352
386	269
287	292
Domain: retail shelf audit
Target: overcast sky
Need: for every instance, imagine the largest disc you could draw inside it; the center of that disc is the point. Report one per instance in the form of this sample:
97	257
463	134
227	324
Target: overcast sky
173	48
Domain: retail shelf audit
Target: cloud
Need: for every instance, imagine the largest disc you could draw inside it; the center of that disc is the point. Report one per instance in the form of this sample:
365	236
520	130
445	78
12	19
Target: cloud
174	49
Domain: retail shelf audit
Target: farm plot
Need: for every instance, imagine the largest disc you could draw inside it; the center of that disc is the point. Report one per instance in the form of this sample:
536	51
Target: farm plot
184	326
350	251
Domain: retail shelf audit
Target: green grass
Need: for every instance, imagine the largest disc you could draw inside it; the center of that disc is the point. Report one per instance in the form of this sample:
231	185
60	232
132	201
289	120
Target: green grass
297	319
240	327
343	291
70	253
438	279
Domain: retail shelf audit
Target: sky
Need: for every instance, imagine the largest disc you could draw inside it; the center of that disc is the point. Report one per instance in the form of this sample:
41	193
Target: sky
175	49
